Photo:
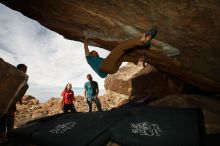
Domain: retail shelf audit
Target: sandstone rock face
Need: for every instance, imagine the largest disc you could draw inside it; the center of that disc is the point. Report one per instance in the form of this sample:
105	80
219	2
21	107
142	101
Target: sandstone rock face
136	81
11	82
191	26
209	105
31	108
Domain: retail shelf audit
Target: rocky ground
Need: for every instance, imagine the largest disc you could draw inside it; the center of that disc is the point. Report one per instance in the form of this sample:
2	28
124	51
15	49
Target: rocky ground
32	109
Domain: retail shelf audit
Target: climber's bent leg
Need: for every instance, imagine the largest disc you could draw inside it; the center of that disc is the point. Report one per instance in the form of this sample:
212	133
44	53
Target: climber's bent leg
111	63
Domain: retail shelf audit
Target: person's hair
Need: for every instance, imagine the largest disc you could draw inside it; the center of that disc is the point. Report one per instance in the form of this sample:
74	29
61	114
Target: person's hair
94	51
67	85
89	77
20	66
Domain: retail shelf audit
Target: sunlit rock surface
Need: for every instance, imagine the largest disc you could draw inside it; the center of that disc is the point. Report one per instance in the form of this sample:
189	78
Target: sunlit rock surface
193	27
135	81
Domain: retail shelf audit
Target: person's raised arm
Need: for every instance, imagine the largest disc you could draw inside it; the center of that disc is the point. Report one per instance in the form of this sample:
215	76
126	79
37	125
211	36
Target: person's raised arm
86	48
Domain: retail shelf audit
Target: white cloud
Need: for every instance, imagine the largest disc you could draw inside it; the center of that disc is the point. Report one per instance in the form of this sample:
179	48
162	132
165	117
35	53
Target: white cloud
51	59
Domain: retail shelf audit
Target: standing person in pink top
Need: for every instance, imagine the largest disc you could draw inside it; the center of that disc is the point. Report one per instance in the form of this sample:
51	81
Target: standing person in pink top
68	99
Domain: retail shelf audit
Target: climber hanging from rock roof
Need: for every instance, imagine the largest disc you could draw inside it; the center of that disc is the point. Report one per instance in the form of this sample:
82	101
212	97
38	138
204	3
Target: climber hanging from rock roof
111	64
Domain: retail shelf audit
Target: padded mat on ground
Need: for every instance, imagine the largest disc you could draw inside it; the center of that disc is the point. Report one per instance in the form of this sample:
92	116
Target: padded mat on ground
147	126
73	129
151	126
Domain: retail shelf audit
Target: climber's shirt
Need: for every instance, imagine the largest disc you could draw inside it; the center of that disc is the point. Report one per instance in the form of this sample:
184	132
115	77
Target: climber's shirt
95	63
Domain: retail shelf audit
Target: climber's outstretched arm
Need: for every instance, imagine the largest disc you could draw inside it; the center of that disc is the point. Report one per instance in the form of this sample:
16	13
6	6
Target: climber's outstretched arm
86	48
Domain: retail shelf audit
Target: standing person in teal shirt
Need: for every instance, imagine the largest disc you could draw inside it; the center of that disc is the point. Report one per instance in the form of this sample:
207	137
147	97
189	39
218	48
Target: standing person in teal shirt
91	91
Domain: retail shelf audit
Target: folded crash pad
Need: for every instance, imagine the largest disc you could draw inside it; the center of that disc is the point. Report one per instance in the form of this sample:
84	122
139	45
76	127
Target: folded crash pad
147	126
153	126
67	129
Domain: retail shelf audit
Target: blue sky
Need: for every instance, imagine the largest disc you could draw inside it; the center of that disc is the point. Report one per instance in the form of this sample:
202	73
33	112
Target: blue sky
52	60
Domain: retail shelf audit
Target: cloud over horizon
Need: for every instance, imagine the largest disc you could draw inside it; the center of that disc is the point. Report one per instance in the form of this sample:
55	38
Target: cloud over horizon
52	60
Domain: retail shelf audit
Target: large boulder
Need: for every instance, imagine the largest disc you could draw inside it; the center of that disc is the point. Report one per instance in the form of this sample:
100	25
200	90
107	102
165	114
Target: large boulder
190	26
135	81
11	82
209	105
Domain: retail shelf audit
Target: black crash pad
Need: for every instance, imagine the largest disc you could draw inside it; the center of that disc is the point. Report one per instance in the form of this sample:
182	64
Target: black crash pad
147	126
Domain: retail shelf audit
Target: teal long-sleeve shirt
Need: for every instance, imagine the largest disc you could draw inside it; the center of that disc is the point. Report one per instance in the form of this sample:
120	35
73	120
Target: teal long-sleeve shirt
95	63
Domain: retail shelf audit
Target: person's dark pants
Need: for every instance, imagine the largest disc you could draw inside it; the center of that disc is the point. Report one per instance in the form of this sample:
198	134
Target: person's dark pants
10	122
68	107
97	102
2	129
6	126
